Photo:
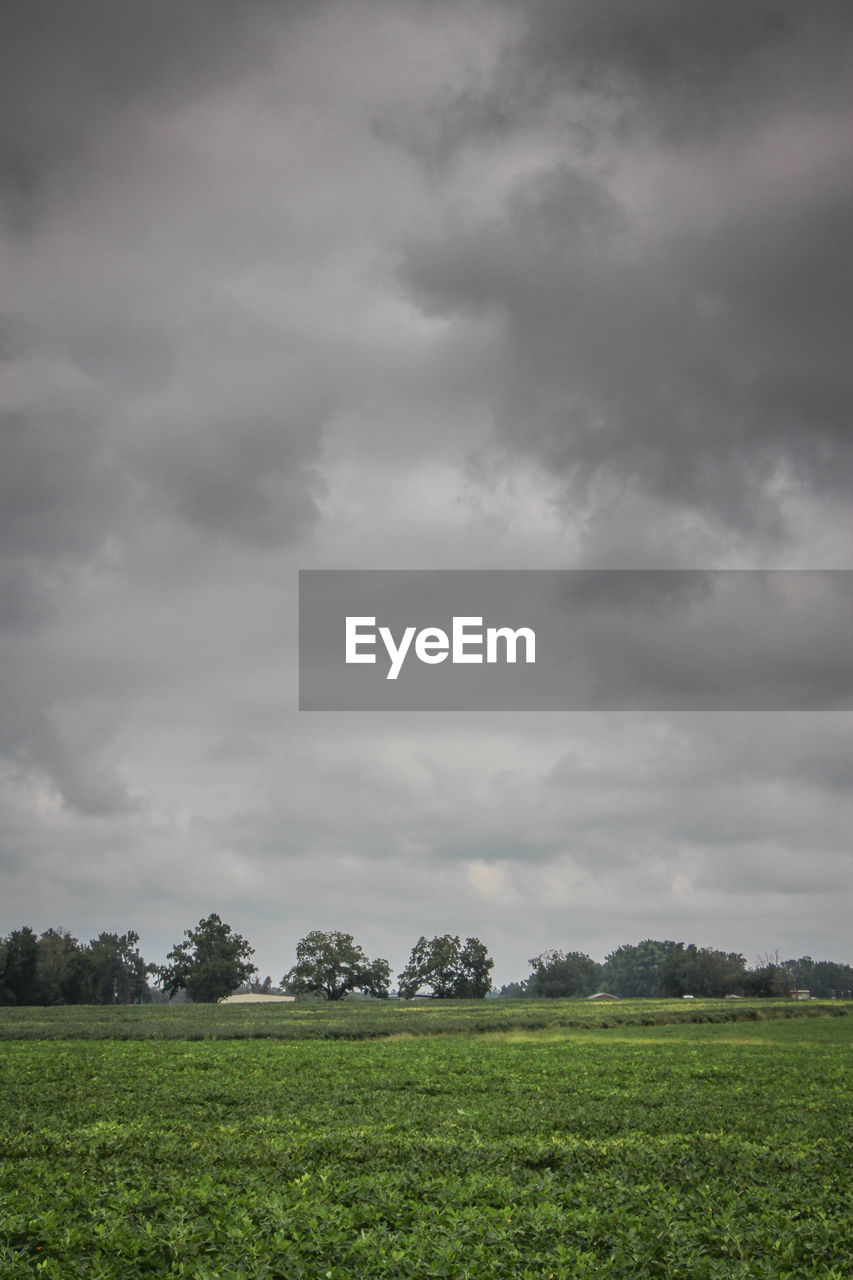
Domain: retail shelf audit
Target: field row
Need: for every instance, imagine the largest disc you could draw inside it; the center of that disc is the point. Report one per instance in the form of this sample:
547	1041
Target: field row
356	1019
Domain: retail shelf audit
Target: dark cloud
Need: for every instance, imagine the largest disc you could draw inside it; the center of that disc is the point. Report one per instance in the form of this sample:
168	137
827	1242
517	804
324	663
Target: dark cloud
293	283
691	341
681	73
690	69
696	364
59	485
73	75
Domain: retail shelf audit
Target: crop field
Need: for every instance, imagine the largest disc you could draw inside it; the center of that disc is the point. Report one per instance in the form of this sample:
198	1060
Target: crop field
672	1149
368	1019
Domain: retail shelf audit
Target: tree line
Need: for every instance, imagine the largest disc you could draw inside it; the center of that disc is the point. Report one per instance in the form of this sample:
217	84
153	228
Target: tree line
53	968
212	961
666	968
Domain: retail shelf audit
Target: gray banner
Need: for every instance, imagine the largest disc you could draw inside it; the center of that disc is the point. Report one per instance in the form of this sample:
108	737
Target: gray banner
575	640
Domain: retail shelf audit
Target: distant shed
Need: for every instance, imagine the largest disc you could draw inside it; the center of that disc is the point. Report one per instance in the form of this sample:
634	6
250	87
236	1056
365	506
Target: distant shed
602	995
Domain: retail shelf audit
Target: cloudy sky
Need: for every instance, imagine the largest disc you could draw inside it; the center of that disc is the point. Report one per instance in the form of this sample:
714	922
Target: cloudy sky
371	284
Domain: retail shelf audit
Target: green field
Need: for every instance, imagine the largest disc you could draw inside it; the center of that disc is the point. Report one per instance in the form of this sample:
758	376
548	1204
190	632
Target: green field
635	1149
356	1019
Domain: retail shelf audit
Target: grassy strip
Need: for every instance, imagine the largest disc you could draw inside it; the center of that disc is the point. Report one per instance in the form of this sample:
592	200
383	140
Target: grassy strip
365	1020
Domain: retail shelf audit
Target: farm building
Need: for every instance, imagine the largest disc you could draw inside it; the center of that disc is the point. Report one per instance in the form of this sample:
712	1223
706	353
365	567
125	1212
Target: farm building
602	995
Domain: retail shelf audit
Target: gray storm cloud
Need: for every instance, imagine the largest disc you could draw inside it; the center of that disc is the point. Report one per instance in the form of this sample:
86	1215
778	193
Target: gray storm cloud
690	341
397	285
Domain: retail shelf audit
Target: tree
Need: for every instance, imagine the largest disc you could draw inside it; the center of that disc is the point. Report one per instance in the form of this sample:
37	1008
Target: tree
475	965
558	974
823	978
265	988
60	976
450	970
634	971
768	979
701	971
514	990
18	958
332	964
209	964
117	972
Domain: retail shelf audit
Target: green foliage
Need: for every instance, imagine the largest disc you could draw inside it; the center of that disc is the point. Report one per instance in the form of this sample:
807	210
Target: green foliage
475	965
210	963
701	971
60	976
333	964
373	1019
514	990
638	1154
54	969
823	978
116	970
557	974
18	959
448	969
635	971
768	979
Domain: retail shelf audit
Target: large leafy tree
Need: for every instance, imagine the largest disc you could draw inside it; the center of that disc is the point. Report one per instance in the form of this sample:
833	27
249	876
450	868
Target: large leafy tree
117	971
18	958
475	966
332	964
556	973
701	971
635	969
448	969
768	979
60	976
209	963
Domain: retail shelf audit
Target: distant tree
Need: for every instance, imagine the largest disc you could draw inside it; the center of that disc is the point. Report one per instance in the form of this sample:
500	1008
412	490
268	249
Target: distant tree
333	964
475	966
831	980
60	976
450	970
116	970
768	979
803	973
258	988
825	979
635	970
514	990
18	958
701	971
557	973
210	963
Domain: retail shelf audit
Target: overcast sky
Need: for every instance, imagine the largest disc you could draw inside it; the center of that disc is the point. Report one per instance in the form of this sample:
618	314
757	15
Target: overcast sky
377	284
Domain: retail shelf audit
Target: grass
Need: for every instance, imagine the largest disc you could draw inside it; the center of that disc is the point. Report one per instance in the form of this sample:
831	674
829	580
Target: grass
371	1019
700	1150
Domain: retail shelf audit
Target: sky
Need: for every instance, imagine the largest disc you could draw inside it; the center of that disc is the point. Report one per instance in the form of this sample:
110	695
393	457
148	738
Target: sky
411	284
